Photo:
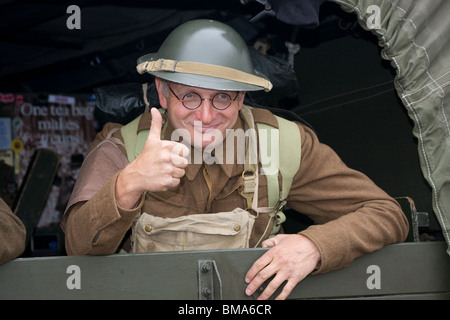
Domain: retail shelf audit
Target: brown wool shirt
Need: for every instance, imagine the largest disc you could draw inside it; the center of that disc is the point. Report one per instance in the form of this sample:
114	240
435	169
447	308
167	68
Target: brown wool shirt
12	234
352	216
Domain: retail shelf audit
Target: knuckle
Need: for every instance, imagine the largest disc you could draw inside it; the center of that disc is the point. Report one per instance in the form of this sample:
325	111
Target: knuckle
274	284
286	291
263	274
165	156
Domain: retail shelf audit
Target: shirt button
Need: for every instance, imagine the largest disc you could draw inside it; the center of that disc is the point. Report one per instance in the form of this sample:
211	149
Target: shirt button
237	227
147	228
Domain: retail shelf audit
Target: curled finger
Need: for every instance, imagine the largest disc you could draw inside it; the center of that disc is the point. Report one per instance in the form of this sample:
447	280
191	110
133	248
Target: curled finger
272	286
180	149
260	272
287	289
178	173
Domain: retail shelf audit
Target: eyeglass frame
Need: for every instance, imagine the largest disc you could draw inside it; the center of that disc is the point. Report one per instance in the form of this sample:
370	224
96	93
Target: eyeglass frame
203	99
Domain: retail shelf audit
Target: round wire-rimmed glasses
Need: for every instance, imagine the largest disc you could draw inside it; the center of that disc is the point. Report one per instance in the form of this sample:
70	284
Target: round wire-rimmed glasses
193	100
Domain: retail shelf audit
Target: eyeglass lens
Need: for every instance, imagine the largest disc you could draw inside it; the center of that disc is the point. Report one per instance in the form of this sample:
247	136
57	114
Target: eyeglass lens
193	100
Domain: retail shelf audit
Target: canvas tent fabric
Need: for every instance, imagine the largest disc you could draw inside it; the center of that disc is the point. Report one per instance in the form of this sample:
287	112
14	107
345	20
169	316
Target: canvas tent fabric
414	38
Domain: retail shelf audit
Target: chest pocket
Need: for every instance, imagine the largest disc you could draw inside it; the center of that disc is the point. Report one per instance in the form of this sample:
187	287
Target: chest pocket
223	230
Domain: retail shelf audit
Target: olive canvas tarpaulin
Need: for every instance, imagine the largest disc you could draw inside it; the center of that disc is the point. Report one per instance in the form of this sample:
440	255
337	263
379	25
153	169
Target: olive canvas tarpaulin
414	38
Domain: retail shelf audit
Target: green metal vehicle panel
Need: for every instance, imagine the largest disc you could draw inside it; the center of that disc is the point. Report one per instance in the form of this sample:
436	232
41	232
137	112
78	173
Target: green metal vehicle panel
416	270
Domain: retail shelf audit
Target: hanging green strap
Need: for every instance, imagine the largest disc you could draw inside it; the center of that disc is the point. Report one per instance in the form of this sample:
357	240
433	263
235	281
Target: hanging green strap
288	155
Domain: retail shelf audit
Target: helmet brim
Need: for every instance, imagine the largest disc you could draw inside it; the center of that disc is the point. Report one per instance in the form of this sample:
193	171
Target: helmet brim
201	81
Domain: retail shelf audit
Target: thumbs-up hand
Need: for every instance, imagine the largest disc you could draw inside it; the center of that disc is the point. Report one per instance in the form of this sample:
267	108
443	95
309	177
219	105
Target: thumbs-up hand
170	155
159	166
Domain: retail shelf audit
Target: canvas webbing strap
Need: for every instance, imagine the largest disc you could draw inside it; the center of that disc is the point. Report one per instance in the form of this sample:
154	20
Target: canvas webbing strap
135	141
287	157
129	135
203	69
250	173
290	154
284	156
144	96
280	152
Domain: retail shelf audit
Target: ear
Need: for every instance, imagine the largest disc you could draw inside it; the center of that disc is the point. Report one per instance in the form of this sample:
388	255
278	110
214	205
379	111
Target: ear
241	100
161	94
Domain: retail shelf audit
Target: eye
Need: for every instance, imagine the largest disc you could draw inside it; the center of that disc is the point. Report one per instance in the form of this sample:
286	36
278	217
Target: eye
190	96
222	96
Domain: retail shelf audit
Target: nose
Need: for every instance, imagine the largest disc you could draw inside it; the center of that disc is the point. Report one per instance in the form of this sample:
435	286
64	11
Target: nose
206	113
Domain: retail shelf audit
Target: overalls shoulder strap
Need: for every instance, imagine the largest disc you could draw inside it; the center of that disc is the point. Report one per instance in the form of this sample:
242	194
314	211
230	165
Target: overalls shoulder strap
279	153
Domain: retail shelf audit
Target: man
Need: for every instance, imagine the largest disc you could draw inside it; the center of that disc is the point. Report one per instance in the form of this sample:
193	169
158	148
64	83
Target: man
202	72
12	234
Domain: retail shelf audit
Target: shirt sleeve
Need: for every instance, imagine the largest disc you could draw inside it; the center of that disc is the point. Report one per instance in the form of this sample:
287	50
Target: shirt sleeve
99	225
352	216
12	234
93	222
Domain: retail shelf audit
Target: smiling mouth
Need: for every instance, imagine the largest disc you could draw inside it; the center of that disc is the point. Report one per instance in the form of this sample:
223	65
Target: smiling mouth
208	129
199	127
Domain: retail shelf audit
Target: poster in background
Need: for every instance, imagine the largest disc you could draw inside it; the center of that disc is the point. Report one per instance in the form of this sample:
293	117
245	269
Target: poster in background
64	124
5	133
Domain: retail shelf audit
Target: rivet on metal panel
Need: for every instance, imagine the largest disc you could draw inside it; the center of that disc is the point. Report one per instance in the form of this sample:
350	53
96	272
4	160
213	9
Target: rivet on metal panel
206	267
206	292
209	282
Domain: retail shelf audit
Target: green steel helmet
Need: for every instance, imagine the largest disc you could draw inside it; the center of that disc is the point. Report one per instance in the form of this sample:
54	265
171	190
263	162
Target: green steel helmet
206	54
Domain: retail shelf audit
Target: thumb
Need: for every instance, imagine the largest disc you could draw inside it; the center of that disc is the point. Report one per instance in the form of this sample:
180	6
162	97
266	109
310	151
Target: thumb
155	128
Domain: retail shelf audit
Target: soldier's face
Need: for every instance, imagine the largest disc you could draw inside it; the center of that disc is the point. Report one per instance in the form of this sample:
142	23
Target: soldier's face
205	122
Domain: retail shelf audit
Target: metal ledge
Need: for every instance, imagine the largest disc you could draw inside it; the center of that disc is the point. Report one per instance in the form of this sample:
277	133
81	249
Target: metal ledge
405	271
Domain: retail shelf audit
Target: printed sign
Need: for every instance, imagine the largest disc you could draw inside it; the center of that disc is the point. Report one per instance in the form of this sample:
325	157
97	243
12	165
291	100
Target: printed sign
64	124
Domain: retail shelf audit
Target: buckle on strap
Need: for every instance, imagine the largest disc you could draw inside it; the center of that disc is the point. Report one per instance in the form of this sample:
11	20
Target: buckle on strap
249	178
157	65
279	206
279	217
167	65
278	213
248	189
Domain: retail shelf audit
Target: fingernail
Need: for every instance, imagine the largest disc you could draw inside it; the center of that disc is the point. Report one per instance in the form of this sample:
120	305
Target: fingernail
247	280
248	292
